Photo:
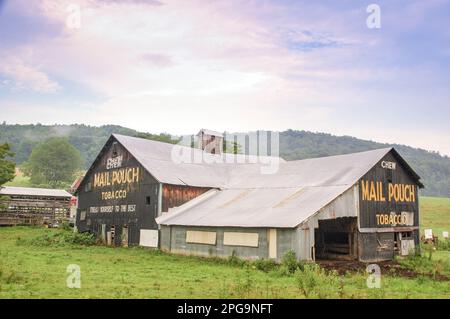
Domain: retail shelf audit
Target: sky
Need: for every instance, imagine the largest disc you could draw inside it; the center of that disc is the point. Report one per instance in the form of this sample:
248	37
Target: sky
180	65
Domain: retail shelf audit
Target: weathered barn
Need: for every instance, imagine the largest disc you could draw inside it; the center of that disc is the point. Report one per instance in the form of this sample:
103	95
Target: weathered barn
133	181
360	206
33	206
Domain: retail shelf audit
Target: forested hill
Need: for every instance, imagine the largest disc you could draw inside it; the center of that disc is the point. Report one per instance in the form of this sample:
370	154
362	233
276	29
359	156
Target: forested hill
432	167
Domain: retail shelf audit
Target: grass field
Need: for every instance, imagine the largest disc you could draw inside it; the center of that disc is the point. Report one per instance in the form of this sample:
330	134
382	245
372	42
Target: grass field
28	270
435	214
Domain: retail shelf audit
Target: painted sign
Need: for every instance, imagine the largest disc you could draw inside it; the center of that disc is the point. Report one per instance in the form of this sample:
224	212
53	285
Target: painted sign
389	165
388	196
381	192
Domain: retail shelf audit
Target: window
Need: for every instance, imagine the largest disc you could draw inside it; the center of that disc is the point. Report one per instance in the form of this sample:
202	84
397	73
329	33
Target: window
83	215
147	200
114	150
407	235
389	176
88	187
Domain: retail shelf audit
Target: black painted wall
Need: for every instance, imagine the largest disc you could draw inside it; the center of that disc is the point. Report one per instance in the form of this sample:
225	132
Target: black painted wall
136	211
369	209
376	245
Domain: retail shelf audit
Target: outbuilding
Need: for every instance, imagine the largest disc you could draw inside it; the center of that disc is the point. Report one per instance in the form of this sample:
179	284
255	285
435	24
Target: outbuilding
33	206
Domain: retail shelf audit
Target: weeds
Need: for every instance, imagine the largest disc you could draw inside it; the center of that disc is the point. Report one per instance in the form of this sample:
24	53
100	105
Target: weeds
265	265
312	280
443	244
289	263
424	265
10	277
59	238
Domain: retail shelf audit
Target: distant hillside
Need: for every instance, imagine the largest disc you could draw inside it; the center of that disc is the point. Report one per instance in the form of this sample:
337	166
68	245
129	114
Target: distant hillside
432	167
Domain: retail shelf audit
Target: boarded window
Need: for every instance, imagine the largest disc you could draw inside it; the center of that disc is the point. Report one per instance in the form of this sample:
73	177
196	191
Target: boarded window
240	239
149	238
201	237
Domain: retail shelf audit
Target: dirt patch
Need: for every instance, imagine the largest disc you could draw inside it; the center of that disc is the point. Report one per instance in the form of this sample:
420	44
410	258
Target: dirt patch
387	267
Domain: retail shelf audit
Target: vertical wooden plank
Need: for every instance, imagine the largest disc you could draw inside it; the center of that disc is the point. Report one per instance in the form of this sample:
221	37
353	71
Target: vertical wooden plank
272	243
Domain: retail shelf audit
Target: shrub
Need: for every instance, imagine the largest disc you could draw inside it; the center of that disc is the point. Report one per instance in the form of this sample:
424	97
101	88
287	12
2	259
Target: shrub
265	264
59	238
289	263
66	226
235	260
424	265
443	244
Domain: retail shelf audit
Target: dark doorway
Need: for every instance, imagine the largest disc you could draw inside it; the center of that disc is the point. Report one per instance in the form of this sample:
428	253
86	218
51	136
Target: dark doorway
336	239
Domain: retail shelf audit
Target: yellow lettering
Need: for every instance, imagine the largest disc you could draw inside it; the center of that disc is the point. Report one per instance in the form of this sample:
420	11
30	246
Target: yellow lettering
96	180
413	193
382	197
402	193
373	195
391	192
365	190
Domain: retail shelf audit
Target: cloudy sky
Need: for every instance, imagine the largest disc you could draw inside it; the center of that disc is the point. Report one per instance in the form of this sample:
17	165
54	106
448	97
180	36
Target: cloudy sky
178	65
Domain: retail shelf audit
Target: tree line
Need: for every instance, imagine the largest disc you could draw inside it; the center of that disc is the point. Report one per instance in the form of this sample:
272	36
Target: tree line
70	150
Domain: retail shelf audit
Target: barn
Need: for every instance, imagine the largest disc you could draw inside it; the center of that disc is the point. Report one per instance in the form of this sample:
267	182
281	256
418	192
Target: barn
361	206
33	206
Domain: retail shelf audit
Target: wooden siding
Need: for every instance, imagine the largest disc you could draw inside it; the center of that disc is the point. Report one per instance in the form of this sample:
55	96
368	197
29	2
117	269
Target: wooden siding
377	229
176	195
369	209
31	210
133	212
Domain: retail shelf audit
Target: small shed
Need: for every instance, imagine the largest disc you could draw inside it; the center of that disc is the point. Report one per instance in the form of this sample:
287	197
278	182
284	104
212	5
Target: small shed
33	206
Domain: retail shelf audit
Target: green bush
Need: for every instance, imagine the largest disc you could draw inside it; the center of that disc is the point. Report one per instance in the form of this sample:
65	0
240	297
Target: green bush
235	260
265	265
59	238
289	263
424	265
66	226
443	244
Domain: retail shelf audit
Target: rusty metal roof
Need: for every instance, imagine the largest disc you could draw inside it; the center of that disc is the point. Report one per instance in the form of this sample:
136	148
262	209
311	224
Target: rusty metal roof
298	190
38	192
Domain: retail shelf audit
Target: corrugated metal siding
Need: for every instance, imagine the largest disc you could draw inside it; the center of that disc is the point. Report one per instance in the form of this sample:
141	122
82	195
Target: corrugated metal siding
178	243
346	205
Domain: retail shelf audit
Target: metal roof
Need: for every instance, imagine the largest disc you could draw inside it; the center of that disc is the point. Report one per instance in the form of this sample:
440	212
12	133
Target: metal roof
298	190
210	132
181	165
28	191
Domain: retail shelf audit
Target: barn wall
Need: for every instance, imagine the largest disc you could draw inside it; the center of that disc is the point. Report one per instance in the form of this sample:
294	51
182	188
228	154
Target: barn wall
177	195
173	239
377	229
119	193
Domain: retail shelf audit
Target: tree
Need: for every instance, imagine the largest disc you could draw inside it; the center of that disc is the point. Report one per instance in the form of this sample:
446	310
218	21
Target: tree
53	163
7	167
